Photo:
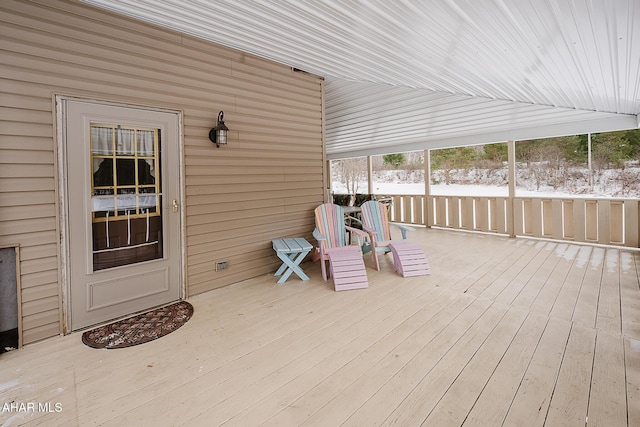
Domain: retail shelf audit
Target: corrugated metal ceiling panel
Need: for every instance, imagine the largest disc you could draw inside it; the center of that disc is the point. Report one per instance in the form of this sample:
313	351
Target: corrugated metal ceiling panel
368	118
570	54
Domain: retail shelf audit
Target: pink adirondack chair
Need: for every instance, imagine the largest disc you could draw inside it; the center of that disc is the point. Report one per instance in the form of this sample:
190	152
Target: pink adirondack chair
346	264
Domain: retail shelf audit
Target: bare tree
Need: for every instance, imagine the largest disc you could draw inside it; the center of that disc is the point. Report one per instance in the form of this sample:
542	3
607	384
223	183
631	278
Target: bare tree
352	172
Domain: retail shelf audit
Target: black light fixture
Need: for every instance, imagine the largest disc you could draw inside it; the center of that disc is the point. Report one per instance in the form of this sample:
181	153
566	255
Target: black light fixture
218	135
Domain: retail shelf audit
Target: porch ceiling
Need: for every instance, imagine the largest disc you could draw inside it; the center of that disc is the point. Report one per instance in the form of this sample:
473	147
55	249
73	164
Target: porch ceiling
408	74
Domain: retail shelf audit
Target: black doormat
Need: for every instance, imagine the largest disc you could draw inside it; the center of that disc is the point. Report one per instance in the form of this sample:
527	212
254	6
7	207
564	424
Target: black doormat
141	328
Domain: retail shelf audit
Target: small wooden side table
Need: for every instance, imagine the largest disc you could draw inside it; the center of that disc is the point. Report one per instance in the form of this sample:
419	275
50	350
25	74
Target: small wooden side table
291	251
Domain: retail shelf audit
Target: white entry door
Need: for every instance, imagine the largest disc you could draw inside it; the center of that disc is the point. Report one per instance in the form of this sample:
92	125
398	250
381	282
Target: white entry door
122	179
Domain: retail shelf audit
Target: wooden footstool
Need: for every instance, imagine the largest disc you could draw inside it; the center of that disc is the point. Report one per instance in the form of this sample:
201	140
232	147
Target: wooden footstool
409	259
346	266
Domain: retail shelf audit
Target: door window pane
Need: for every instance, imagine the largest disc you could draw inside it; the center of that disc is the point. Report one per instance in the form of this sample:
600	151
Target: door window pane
126	195
125	138
102	140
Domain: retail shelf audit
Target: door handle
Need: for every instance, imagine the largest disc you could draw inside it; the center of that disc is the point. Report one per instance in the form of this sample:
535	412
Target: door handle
175	205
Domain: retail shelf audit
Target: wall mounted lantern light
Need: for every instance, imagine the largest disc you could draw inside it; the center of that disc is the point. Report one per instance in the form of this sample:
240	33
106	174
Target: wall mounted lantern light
218	135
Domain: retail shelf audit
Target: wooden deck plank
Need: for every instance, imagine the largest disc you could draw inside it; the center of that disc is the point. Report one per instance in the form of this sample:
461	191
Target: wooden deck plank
565	304
291	355
397	391
607	401
586	309
312	381
430	390
517	249
629	287
632	364
609	301
286	328
510	274
245	336
495	399
531	402
327	360
474	281
362	379
548	295
258	411
536	272
571	395
544	285
445	349
455	405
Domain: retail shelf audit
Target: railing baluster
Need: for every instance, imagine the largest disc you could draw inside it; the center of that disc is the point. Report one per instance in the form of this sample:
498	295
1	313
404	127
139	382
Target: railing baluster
501	215
631	223
617	225
454	212
556	214
482	213
441	218
528	217
568	220
416	203
580	220
603	221
466	212
591	221
406	210
547	218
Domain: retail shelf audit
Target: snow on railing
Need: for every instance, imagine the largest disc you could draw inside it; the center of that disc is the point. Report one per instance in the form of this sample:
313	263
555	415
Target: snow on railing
588	220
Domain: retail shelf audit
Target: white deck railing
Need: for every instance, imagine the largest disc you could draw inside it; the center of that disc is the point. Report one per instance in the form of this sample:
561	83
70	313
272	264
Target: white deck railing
591	220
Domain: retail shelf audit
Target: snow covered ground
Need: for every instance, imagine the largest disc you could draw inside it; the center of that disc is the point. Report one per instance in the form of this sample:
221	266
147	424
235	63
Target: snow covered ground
412	183
465	190
452	190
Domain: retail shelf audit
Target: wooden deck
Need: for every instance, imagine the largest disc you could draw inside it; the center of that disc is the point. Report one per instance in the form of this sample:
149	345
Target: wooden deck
504	331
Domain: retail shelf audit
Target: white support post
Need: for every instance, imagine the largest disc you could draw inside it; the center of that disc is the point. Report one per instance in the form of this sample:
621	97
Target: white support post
589	161
369	175
427	186
328	183
511	156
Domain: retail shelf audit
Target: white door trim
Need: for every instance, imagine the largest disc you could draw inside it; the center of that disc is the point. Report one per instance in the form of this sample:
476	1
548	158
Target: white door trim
63	192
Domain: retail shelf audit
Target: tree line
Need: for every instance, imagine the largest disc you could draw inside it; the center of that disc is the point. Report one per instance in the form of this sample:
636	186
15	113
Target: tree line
609	150
558	162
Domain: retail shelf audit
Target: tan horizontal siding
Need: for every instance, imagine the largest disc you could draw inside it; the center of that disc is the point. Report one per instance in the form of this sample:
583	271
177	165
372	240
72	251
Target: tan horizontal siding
42	278
39	293
17	170
263	185
21	212
32	157
246	227
264	232
12	184
28	198
28	253
39	265
34	333
48	304
198	160
256	204
23	143
29	239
